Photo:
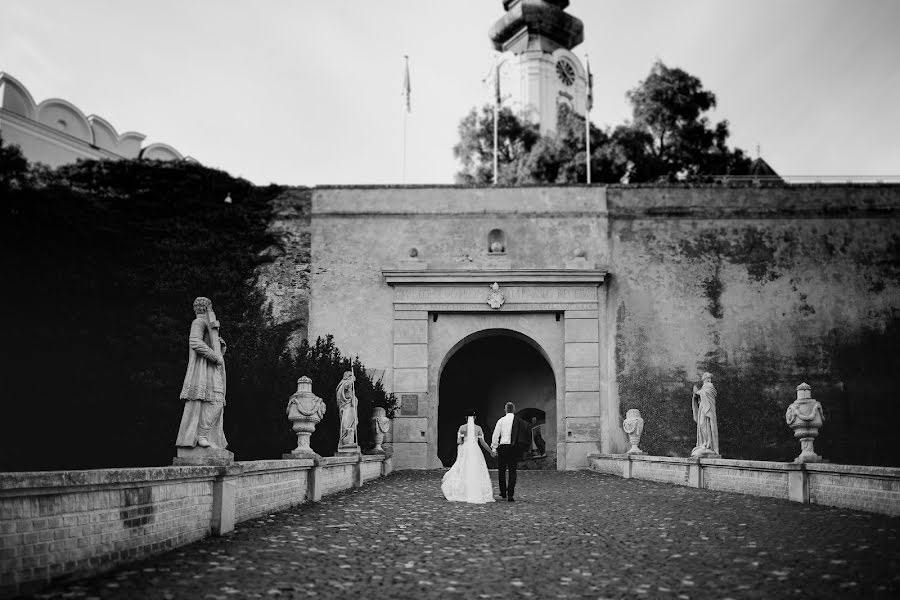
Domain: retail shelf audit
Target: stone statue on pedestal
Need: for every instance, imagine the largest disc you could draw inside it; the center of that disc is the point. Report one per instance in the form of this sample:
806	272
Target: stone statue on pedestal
805	417
201	438
304	411
347	405
703	403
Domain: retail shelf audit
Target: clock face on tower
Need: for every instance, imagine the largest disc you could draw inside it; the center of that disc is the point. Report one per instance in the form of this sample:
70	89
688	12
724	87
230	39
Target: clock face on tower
565	71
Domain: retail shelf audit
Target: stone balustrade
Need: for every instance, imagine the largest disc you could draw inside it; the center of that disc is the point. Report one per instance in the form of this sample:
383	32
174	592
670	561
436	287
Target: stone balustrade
873	489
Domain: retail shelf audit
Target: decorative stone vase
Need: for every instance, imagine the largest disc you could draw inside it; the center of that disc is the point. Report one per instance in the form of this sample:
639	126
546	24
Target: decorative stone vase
305	411
805	417
634	426
380	426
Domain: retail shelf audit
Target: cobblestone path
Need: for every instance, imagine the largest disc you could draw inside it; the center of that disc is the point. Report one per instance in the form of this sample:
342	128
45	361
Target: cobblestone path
568	535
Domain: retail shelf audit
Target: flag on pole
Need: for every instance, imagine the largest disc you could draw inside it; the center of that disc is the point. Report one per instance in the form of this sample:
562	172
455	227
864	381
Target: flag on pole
407	90
590	85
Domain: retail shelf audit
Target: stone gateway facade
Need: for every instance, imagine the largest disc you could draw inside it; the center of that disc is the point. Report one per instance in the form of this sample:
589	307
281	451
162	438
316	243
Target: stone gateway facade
579	303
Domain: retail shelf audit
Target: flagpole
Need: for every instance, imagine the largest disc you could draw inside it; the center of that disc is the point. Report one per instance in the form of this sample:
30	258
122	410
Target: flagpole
588	104
405	116
496	117
587	138
406	111
496	135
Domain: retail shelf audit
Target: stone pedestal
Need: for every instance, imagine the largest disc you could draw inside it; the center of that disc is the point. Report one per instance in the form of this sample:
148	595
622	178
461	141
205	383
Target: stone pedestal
700	452
805	417
205	457
298	453
350	450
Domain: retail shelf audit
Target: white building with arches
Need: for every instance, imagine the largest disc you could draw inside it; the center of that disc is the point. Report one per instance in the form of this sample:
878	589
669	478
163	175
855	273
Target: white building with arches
56	132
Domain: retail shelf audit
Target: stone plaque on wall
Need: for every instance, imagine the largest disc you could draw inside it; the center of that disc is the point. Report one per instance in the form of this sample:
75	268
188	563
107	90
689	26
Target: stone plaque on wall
409	405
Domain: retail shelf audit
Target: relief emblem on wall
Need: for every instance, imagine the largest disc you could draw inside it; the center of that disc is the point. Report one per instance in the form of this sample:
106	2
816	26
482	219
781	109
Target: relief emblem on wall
495	298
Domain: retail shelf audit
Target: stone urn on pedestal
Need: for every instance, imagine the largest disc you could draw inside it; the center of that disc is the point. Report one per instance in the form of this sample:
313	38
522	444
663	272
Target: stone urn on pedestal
805	417
304	411
633	426
380	427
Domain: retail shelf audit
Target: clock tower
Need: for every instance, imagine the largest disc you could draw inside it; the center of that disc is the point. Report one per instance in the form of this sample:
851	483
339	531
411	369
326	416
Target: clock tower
538	71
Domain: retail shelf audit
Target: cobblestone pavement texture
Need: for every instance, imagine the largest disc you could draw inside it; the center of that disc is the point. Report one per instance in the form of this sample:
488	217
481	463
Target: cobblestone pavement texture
568	535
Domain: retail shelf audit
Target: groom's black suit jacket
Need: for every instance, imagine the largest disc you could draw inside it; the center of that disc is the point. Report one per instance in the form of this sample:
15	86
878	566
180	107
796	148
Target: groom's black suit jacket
520	435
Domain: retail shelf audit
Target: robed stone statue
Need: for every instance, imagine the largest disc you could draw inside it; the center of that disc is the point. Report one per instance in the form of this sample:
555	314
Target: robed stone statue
201	435
703	403
347	407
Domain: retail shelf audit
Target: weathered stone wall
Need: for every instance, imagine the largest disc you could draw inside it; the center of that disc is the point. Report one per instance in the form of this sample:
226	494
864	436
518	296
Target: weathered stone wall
765	288
285	280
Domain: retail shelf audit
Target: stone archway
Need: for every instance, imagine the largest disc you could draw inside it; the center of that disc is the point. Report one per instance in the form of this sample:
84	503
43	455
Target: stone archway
558	312
483	372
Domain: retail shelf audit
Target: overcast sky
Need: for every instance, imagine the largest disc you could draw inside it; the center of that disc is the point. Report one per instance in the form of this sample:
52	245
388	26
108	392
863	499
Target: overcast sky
308	92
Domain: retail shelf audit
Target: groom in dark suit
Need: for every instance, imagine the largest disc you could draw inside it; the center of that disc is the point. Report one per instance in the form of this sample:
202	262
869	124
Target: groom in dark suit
512	436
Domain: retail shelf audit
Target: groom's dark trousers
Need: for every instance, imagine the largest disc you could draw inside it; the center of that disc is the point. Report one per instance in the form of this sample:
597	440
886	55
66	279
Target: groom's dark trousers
507	457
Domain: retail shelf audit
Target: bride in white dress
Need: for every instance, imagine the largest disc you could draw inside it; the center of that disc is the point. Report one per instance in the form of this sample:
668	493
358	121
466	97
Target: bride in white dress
468	479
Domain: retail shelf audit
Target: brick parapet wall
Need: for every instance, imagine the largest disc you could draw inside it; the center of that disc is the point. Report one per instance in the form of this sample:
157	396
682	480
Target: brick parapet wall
746	480
75	523
665	470
371	467
260	493
611	466
872	489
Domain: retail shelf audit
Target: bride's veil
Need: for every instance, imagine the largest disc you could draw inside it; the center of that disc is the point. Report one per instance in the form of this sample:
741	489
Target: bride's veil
470	431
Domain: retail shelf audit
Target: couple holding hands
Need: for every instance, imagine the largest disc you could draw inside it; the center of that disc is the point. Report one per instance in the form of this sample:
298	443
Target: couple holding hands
468	479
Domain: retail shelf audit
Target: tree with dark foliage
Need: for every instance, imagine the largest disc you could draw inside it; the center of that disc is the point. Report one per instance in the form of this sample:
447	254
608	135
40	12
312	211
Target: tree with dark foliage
669	138
102	262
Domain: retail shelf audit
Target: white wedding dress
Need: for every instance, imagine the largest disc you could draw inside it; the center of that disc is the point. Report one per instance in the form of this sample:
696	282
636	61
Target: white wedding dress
468	479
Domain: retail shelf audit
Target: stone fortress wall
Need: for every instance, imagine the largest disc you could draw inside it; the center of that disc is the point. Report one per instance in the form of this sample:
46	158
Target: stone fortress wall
56	132
766	288
763	286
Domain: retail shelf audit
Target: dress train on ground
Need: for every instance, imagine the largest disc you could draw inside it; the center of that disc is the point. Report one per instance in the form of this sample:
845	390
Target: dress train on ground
468	479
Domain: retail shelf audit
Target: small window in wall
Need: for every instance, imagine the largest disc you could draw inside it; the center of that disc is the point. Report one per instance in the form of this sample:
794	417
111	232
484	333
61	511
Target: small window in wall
496	242
61	123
